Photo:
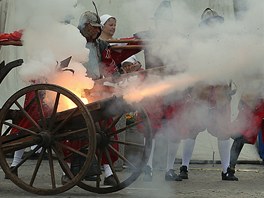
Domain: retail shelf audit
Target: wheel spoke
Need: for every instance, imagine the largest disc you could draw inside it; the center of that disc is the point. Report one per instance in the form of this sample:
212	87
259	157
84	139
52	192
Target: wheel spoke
37	166
121	156
128	143
65	120
70	134
99	162
71	149
63	163
111	165
51	165
54	111
86	146
28	116
30	104
40	109
115	121
20	128
24	159
125	128
18	145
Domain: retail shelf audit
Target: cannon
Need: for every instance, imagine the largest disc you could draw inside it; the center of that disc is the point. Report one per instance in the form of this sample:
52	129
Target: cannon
67	134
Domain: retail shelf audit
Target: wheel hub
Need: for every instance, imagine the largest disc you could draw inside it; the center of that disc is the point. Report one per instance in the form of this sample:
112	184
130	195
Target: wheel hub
102	139
46	138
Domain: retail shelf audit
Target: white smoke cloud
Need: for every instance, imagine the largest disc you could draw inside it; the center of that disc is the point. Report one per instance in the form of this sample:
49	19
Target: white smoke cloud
232	50
49	38
45	38
215	55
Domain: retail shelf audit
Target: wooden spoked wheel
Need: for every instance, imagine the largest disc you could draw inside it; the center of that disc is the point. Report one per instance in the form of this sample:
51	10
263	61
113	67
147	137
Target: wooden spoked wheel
49	122
129	141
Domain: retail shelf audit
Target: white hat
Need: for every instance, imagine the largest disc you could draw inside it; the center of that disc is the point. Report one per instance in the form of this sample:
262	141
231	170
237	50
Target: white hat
104	18
131	59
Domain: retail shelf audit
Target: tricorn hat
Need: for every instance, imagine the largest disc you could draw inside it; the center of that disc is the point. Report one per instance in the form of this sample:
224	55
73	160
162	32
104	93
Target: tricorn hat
89	17
211	16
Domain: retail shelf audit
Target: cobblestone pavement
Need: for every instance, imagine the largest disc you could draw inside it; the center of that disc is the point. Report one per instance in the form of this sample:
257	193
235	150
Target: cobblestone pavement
204	181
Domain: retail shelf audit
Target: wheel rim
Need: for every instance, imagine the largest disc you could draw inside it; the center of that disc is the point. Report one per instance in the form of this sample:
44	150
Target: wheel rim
137	142
49	133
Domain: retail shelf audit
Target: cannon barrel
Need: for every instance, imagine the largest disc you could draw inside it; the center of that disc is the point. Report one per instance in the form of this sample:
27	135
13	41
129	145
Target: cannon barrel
102	109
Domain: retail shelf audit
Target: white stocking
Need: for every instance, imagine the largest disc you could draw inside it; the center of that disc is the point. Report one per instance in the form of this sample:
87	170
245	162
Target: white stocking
107	170
172	152
150	161
17	157
188	146
224	152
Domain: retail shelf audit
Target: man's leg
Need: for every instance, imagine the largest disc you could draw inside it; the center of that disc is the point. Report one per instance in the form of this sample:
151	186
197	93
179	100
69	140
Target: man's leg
224	152
234	154
236	150
16	160
188	146
149	167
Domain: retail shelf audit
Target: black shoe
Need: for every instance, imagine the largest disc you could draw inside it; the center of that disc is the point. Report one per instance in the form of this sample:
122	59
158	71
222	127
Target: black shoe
229	175
65	179
184	172
172	176
148	174
110	181
15	171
